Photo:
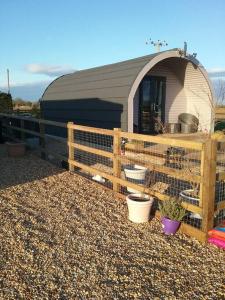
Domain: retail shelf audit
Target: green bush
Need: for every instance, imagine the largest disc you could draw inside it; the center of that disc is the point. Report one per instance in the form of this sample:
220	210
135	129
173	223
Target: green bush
172	209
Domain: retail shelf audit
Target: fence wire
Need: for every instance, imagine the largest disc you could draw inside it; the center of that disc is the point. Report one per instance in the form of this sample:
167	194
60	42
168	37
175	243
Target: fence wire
163	169
220	184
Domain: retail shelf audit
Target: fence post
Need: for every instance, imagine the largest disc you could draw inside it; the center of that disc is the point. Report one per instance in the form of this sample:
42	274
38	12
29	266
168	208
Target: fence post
42	139
22	132
70	139
207	189
116	160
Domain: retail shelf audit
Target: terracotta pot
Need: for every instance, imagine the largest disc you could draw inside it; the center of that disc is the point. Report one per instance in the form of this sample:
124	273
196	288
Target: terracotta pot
139	207
15	149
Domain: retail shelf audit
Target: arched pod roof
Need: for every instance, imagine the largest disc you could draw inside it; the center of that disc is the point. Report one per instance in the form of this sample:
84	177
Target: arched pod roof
115	82
106	82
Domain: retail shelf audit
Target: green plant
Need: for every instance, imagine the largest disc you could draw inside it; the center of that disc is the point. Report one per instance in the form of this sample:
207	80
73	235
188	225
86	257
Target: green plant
172	209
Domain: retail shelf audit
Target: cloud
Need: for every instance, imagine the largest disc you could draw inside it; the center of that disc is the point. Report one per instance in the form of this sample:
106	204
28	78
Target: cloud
49	70
217	72
28	91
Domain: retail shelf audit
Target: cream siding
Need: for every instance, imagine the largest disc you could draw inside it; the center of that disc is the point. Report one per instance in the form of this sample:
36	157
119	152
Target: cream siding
198	93
176	101
187	91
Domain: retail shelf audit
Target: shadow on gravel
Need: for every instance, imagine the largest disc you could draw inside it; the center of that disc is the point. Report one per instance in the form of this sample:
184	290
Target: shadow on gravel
14	171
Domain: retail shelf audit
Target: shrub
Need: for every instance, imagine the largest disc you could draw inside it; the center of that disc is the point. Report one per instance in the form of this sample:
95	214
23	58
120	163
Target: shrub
172	209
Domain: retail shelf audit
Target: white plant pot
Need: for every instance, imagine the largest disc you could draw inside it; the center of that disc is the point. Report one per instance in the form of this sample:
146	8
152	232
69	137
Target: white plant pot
184	195
136	173
139	208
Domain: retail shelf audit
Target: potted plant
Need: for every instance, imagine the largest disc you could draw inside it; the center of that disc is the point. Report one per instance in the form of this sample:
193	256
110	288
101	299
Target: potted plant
172	212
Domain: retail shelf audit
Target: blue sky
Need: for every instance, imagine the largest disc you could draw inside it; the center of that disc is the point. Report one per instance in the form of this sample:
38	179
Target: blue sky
43	39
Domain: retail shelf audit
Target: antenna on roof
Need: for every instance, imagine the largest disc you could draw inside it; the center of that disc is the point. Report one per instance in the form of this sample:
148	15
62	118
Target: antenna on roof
157	44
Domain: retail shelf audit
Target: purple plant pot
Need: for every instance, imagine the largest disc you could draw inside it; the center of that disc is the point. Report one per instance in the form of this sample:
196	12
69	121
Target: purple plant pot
170	226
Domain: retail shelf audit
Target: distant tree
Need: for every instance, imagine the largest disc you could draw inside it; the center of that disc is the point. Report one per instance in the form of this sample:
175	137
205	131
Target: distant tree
6	104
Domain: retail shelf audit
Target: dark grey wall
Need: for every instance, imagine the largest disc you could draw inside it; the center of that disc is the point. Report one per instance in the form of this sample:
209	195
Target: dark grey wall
88	112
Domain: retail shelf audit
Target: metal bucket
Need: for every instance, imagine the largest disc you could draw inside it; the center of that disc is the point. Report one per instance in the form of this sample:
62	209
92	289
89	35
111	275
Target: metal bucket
188	119
188	128
173	127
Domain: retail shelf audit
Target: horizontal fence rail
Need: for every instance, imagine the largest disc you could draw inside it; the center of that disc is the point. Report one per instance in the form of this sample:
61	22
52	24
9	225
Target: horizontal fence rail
170	166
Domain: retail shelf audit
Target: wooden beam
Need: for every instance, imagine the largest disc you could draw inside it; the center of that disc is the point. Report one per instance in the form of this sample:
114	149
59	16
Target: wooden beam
91	150
163	169
116	160
22	130
163	140
207	188
159	154
34	120
90	129
70	141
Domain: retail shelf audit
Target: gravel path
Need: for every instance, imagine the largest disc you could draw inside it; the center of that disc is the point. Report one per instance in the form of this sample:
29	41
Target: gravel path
63	237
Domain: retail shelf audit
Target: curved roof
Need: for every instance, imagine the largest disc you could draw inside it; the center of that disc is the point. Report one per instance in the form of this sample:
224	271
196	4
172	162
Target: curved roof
114	81
109	81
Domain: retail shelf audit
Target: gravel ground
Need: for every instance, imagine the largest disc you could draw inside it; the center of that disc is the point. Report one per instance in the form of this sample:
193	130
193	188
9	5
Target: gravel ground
63	237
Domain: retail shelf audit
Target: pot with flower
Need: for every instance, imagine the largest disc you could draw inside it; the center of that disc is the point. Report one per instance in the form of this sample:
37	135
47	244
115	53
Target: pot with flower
172	212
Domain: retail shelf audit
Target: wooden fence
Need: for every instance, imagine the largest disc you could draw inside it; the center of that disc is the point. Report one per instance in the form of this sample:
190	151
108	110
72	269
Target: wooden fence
91	143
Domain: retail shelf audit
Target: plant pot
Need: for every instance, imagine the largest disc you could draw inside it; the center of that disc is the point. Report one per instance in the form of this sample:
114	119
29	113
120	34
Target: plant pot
186	195
139	207
15	149
135	174
170	226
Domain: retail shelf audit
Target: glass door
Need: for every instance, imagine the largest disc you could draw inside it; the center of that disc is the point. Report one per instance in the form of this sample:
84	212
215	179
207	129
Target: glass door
152	104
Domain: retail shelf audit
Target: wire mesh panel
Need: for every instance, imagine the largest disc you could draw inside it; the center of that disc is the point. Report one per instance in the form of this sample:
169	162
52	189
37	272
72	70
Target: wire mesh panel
220	185
133	163
163	169
92	153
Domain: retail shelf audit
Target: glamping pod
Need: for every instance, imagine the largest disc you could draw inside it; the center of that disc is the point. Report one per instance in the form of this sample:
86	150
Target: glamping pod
135	95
